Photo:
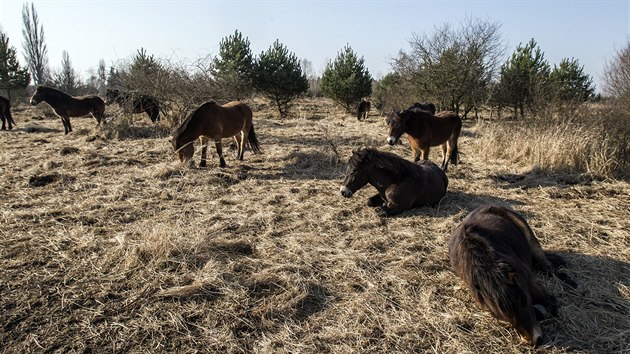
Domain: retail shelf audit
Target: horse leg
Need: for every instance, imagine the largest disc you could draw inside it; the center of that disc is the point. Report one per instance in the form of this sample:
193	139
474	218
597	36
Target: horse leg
204	149
3	127
425	152
66	124
217	143
375	200
445	153
242	145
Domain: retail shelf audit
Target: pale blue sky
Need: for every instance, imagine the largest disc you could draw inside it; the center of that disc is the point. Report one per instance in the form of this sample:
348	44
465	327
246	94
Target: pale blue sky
589	31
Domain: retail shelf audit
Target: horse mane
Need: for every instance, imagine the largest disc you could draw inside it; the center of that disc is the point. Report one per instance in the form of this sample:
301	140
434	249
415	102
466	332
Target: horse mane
182	127
395	165
486	270
53	91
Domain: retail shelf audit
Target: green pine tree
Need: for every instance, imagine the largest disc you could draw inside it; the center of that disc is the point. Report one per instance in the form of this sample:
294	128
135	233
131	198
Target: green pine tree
12	75
524	80
232	68
570	82
277	75
346	80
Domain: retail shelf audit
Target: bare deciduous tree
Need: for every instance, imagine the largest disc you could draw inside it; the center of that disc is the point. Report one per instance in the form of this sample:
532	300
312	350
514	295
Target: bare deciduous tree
617	74
35	50
453	67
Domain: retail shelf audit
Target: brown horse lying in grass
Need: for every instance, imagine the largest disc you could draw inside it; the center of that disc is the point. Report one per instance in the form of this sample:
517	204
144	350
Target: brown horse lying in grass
216	122
132	103
401	184
5	113
362	109
66	106
493	251
425	130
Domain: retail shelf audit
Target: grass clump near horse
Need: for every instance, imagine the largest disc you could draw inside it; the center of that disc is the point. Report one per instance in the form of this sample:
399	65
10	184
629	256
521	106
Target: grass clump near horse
66	106
401	184
211	121
494	251
425	130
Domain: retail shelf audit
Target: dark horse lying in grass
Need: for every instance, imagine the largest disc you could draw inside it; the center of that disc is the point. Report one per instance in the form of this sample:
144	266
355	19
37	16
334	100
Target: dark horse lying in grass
5	113
216	122
401	184
362	109
493	251
66	106
132	103
425	130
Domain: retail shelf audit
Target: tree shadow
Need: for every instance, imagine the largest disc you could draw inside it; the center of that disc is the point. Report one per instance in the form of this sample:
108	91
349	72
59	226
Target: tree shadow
300	166
595	316
538	177
35	129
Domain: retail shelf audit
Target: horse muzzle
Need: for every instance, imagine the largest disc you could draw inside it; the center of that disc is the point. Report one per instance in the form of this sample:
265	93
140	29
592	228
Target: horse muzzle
391	140
346	192
33	102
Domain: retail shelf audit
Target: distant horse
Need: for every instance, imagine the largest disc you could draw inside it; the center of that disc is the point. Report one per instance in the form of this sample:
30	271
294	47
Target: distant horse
132	103
362	109
427	106
425	130
66	106
5	113
493	251
401	184
216	122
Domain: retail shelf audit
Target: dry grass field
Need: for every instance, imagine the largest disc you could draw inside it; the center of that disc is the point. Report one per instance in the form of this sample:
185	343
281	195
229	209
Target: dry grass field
108	244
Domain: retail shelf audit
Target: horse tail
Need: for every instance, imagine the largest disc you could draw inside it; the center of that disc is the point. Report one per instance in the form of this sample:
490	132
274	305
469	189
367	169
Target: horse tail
252	139
456	132
7	113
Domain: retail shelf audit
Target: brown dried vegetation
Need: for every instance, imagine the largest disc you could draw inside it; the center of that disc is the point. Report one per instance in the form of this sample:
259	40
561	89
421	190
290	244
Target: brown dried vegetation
108	244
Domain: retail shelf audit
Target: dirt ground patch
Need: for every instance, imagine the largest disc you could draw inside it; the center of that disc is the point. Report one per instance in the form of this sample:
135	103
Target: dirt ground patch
108	244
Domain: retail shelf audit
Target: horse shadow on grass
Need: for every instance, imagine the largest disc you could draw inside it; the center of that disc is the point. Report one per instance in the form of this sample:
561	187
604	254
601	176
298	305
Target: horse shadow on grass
595	316
456	202
301	165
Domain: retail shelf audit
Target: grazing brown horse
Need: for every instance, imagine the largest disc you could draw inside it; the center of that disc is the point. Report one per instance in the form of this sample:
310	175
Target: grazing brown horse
425	130
362	109
401	184
493	251
66	106
131	103
427	106
5	112
211	121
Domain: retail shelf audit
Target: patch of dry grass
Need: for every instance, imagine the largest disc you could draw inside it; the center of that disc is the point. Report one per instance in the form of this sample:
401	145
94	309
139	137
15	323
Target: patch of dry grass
108	244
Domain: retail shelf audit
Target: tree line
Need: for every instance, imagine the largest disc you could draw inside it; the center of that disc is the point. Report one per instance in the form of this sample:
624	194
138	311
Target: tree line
456	68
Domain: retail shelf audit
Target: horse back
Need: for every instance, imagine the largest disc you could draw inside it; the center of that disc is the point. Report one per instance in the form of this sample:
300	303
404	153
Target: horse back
502	233
430	181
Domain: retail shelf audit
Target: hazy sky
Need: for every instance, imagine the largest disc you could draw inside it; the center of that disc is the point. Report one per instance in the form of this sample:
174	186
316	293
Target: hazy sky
590	31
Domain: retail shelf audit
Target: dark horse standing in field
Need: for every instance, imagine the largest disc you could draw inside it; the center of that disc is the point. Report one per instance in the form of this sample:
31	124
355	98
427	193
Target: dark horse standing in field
131	103
401	184
362	109
425	130
5	113
216	122
427	106
493	251
66	106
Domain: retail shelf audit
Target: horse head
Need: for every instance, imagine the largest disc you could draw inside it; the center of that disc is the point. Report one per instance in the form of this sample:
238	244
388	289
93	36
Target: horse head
396	121
111	95
358	172
38	96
